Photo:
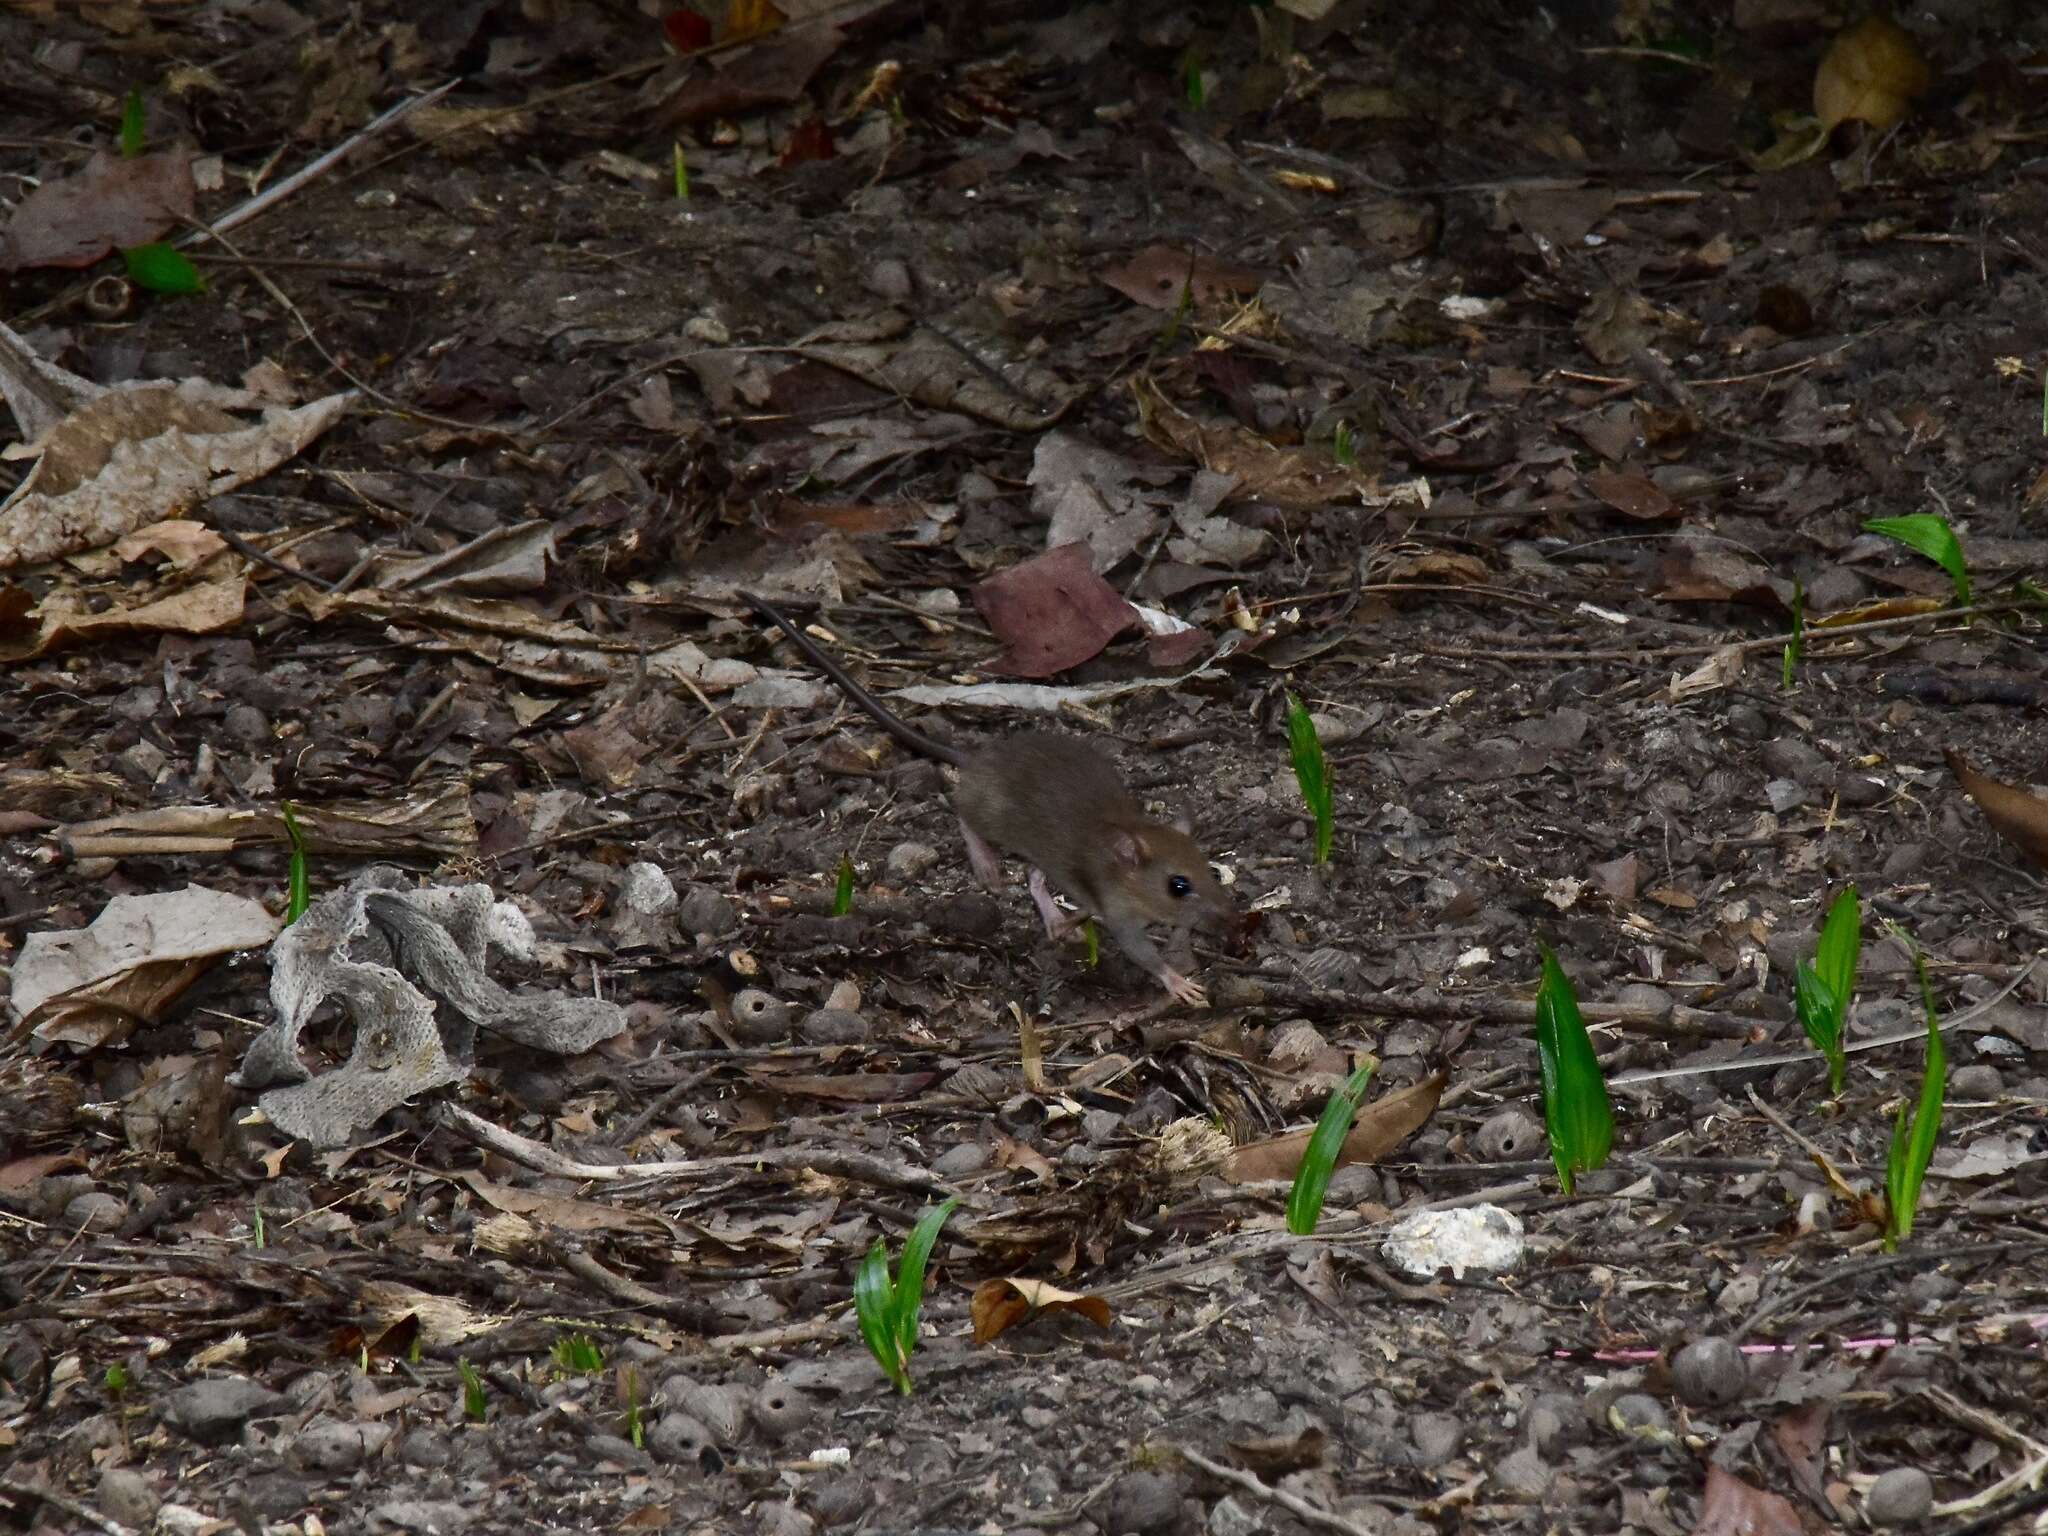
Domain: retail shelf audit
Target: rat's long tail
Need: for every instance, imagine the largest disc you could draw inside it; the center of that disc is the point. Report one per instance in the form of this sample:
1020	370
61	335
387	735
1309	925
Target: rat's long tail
909	735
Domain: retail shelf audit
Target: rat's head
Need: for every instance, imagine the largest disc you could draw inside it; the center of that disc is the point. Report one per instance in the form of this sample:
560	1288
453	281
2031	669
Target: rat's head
1161	873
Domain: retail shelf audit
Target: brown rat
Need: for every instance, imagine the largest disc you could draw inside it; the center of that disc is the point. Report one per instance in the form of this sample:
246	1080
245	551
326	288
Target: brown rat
1057	803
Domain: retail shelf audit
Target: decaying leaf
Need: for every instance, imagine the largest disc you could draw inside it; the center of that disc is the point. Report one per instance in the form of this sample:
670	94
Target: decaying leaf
434	821
128	458
95	984
1636	496
2018	817
1297	477
1731	1507
999	1305
1156	276
61	619
1870	74
114	201
1051	612
1382	1125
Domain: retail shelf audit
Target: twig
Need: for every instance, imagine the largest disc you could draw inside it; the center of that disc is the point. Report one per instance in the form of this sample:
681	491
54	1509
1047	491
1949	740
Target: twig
70	1506
1294	1504
1876	1042
314	169
545	1159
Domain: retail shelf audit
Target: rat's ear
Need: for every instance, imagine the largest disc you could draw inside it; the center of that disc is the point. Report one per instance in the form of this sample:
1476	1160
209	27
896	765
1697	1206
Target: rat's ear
1128	849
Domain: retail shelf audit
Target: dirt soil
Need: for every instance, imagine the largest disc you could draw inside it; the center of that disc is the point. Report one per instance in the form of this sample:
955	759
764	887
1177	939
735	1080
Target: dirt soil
1510	385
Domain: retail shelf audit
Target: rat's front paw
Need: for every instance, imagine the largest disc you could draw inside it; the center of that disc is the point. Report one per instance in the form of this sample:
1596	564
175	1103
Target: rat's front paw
1183	990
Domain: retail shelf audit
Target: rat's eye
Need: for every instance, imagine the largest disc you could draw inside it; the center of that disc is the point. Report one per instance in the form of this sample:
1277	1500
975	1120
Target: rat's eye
1179	885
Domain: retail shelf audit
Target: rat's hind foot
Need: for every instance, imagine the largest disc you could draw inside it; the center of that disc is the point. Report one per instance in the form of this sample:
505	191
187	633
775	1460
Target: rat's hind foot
1183	990
1058	924
984	860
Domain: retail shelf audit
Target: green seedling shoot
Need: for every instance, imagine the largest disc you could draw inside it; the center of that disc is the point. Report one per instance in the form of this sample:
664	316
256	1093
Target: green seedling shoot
1796	646
297	888
577	1354
162	268
1344	445
1827	982
1319	1158
1091	941
1913	1146
1184	306
473	1407
1931	536
682	174
629	1393
258	1238
842	890
131	125
1312	773
1576	1110
887	1307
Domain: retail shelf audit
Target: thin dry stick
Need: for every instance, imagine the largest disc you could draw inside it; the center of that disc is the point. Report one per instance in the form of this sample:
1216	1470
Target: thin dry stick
545	1159
1876	1042
1294	1504
70	1506
313	170
1812	637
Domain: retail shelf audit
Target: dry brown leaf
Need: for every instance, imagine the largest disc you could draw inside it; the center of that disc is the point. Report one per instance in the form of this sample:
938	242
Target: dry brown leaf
1382	1125
1883	608
1870	74
1158	274
182	541
1051	612
999	1305
62	620
1731	1507
128	458
1294	477
2017	816
1636	496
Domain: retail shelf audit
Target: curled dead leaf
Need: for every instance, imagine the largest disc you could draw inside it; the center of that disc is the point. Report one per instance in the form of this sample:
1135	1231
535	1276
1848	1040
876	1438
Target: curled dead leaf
1382	1125
999	1305
1870	74
2015	815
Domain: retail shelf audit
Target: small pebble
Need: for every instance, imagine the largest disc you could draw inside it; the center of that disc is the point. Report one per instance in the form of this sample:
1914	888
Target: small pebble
1902	1496
129	1497
1437	1437
832	1026
95	1211
1509	1136
1976	1081
780	1410
889	279
758	1018
1710	1372
1140	1503
960	1160
706	914
1521	1474
907	861
676	1437
646	888
1637	1411
1929	1290
718	1407
841	1498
